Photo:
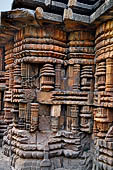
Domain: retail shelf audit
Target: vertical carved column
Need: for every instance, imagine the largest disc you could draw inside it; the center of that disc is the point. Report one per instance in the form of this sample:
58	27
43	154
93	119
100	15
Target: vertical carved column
7	78
86	119
70	77
95	130
76	76
100	76
17	88
86	76
11	78
47	74
22	113
17	76
96	80
34	116
7	98
109	74
75	117
23	71
68	119
28	117
55	114
15	112
58	76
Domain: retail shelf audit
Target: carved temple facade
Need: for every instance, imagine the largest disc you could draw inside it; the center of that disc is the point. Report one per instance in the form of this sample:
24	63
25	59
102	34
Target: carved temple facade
56	84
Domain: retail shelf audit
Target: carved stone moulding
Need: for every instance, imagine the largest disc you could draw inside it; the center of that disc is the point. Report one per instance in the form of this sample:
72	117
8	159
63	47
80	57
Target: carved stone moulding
81	44
103	120
46	41
47	76
86	123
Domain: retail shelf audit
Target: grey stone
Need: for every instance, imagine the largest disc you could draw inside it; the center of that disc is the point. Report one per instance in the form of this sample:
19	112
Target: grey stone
33	168
4	162
27	168
34	163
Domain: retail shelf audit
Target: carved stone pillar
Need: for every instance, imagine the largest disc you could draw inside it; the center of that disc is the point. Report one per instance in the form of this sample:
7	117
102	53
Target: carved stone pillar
34	116
11	78
96	83
86	119
17	76
15	112
47	75
75	117
23	73
68	119
70	77
55	114
28	117
109	74
22	114
76	77
58	76
7	79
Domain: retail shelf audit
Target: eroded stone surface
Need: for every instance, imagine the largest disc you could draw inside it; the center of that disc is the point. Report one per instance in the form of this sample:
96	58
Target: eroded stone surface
4	161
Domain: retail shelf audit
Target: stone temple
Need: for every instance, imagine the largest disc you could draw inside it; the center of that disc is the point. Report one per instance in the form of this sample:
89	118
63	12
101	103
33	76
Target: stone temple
56	84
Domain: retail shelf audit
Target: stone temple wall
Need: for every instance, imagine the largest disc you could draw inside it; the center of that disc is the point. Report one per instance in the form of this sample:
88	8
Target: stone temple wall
103	95
3	125
50	98
56	87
